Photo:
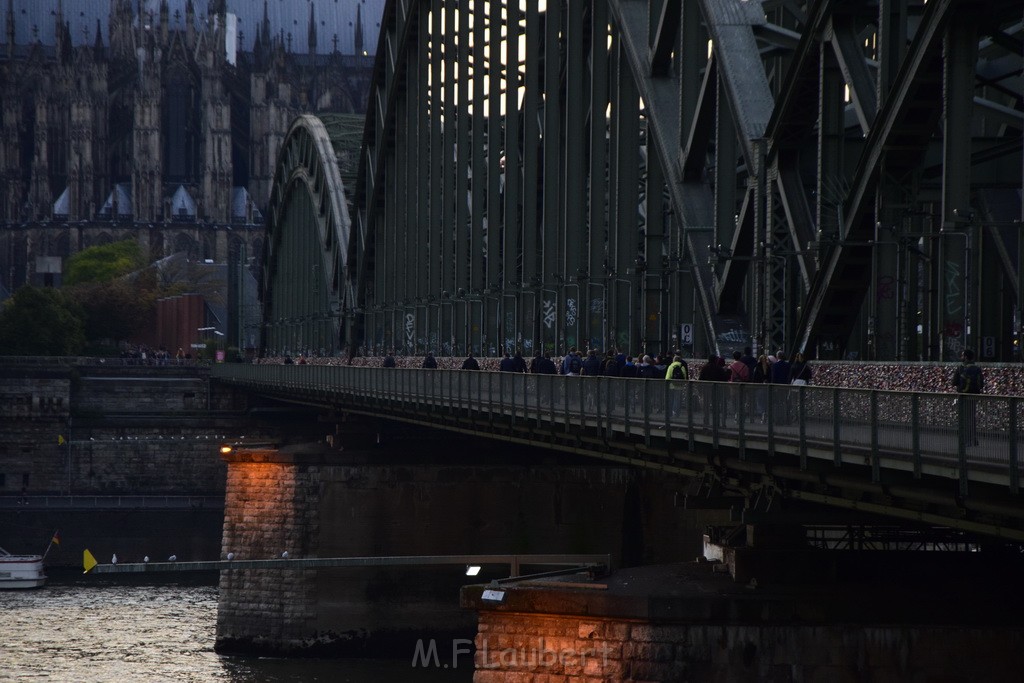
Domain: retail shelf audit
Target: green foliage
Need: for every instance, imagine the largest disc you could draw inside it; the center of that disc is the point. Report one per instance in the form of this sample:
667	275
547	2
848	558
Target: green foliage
103	263
40	321
118	310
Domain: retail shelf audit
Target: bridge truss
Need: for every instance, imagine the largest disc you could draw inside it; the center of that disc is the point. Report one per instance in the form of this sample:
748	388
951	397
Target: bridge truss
839	177
305	285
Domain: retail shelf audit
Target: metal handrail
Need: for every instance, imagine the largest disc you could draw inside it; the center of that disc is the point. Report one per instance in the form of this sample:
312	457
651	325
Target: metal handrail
916	432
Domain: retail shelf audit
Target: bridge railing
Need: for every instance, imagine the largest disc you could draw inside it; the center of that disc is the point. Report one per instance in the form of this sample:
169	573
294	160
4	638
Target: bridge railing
965	438
110	502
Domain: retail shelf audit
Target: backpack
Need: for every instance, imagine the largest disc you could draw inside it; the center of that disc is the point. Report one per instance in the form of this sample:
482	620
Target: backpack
575	364
970	379
678	372
740	371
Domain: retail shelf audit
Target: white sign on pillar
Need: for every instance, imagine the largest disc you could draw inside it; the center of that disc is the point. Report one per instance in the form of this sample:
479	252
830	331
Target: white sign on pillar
686	334
988	347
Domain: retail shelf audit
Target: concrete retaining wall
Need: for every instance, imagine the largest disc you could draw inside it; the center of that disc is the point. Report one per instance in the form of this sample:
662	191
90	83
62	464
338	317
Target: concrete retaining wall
538	649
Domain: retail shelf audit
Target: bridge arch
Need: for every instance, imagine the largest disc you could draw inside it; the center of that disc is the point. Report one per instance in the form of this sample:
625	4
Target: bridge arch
305	255
783	174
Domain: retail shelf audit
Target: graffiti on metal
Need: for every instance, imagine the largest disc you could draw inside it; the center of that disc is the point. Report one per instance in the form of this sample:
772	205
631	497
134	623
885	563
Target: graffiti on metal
550	313
733	336
410	330
954	298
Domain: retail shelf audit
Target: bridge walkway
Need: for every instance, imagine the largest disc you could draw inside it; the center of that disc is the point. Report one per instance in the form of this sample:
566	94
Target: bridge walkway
914	432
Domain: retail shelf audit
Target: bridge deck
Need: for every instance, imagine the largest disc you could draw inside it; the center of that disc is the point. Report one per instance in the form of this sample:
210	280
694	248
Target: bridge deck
973	441
910	431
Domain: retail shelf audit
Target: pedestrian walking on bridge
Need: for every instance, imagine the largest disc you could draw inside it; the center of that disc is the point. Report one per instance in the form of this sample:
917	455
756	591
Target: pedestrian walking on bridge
969	381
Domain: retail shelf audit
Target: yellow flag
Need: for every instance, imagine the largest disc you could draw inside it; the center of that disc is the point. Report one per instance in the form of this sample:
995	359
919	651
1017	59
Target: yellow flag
60	440
88	561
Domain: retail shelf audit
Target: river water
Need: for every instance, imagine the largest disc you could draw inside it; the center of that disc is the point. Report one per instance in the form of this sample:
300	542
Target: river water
77	631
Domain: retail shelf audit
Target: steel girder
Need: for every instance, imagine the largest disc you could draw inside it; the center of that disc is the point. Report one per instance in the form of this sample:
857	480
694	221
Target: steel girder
778	172
544	226
909	225
528	228
305	285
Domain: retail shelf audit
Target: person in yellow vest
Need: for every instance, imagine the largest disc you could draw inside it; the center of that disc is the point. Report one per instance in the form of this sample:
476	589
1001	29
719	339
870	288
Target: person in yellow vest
676	376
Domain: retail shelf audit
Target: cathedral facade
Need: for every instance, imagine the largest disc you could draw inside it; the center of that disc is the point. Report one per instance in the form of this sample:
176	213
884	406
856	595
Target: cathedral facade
160	120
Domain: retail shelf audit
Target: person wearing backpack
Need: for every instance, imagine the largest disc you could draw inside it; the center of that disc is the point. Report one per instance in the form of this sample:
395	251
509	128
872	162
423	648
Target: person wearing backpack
762	375
749	360
571	364
800	372
739	371
592	364
611	366
968	380
676	376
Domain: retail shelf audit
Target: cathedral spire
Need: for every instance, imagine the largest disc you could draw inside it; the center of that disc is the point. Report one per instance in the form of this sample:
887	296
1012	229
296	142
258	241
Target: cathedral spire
97	45
141	39
61	34
10	29
312	30
359	30
165	28
190	24
265	29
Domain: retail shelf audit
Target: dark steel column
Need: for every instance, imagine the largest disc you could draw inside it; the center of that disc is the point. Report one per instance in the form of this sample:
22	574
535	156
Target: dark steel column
496	81
624	202
529	263
462	237
652	269
591	285
434	111
561	292
517	159
551	246
960	51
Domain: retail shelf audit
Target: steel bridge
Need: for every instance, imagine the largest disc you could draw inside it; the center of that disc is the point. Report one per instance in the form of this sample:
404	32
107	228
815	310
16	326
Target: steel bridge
842	178
935	460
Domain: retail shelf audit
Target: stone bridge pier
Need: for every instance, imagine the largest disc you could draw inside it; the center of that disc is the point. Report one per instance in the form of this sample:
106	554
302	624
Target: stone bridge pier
380	489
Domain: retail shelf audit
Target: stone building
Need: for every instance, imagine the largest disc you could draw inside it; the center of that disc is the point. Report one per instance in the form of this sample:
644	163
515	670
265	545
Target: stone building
160	120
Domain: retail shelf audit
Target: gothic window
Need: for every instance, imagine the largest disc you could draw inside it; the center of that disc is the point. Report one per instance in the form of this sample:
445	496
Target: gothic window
28	138
240	136
257	251
57	151
120	142
235	246
62	245
185	244
181	130
156	244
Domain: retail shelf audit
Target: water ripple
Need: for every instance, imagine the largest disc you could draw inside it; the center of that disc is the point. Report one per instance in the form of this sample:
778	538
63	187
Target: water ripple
150	633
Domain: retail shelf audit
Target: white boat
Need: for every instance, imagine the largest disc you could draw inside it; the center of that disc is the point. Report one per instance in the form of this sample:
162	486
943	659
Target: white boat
21	571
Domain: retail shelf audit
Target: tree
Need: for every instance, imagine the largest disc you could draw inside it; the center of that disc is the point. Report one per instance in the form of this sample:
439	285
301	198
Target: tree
118	310
40	321
103	263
